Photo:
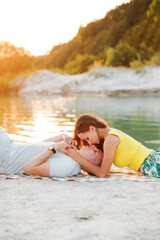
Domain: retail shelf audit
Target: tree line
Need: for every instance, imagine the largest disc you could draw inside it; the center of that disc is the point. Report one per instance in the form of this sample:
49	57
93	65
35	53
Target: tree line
128	35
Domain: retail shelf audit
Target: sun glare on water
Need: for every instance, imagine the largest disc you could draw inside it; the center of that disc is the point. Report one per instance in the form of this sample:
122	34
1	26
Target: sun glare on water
41	127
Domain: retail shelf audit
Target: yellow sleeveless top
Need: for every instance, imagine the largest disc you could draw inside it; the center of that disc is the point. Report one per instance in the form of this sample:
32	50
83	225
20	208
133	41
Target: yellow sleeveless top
129	153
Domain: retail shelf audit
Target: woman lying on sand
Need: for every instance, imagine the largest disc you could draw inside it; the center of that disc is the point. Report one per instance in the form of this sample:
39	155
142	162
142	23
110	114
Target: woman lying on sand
45	159
118	148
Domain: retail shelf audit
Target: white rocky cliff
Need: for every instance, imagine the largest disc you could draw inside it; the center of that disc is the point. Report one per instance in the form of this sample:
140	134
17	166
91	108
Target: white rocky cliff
100	80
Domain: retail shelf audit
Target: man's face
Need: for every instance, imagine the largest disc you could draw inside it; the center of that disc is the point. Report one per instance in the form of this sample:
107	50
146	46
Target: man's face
92	154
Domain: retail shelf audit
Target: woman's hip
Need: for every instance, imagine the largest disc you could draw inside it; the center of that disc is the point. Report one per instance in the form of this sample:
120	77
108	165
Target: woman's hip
151	165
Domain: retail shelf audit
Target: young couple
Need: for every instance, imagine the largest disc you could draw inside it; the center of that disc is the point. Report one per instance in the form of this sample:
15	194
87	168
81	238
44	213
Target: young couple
94	147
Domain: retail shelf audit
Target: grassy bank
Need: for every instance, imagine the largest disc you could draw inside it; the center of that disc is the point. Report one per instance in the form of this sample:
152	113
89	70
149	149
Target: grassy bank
8	77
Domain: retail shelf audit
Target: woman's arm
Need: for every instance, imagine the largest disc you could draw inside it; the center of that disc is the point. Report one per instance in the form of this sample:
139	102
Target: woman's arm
39	164
110	146
59	138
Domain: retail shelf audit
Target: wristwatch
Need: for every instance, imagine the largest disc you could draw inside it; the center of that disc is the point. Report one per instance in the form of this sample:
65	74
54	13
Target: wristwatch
51	148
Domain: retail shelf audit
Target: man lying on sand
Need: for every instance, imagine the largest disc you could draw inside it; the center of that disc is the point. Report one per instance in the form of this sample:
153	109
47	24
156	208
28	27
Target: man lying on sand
47	158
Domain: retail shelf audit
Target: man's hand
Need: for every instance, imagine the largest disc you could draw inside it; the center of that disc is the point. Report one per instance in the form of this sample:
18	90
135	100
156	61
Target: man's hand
62	147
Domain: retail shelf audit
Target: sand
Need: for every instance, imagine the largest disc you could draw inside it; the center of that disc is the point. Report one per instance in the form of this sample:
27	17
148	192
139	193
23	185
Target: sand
84	208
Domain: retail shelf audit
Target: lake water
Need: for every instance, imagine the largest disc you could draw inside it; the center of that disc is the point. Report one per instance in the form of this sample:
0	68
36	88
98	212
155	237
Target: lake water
34	118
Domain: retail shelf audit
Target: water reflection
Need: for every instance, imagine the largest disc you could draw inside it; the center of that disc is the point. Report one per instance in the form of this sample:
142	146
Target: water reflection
33	118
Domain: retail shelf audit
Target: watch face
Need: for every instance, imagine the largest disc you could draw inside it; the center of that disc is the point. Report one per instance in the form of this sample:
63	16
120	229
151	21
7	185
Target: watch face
51	148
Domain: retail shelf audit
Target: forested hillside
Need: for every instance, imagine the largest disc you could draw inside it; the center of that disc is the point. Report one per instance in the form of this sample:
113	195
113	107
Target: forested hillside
127	36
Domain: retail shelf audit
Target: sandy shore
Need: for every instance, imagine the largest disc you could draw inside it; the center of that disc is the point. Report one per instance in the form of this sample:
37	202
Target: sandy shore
45	209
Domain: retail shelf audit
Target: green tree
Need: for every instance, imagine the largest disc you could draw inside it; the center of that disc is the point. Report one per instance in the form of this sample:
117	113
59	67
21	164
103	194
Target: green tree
13	59
154	10
122	55
80	64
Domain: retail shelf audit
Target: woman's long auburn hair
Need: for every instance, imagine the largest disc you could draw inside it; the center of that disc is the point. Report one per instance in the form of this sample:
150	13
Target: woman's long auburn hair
82	124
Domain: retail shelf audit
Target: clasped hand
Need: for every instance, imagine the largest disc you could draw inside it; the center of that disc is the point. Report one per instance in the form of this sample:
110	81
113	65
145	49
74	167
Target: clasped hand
71	152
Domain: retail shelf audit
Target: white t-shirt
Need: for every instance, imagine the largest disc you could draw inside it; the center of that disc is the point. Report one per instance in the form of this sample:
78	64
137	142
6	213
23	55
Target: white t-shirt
60	164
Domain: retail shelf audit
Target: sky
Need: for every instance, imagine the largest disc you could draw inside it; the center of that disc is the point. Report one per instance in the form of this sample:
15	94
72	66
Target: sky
38	25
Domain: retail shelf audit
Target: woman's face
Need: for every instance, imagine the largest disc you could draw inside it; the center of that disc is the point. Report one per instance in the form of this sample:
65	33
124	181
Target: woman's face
91	136
92	154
